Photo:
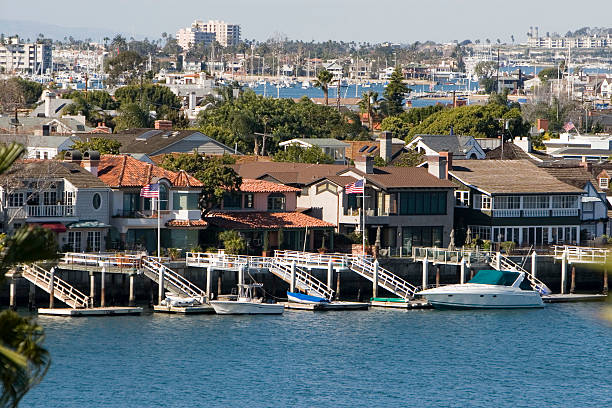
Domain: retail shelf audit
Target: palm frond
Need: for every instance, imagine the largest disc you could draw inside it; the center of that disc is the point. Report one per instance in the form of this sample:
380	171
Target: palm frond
8	154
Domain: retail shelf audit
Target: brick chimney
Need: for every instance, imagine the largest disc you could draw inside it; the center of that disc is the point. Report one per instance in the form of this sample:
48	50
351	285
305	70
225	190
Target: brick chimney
588	166
386	143
448	161
91	161
163	124
365	164
73	156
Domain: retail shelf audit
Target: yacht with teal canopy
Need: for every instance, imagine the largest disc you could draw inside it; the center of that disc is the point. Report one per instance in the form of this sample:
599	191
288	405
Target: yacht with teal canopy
488	289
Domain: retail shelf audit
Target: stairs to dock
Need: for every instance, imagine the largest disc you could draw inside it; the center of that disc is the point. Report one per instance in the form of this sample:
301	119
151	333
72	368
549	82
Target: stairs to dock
303	280
174	282
502	263
62	290
386	279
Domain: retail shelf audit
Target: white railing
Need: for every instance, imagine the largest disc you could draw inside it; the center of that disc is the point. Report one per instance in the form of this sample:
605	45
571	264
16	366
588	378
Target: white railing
61	289
59	210
503	263
536	212
303	280
506	213
451	256
314	260
120	261
386	279
565	212
582	254
175	282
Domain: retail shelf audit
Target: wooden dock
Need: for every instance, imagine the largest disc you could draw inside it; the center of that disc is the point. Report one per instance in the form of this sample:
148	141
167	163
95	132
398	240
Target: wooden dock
94	311
412	304
326	306
200	309
572	297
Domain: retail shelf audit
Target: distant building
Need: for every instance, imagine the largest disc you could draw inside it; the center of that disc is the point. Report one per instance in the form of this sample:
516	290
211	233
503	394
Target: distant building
334	148
213	30
16	57
462	147
593	41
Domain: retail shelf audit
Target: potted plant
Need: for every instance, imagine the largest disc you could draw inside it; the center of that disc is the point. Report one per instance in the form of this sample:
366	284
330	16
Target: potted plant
174	253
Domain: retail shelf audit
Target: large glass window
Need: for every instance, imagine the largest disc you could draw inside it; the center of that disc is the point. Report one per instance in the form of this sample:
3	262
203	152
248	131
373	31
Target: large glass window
538	201
15	200
185	201
74	241
163	196
565	201
93	241
131	202
421	237
232	200
423	202
276	202
462	198
507	202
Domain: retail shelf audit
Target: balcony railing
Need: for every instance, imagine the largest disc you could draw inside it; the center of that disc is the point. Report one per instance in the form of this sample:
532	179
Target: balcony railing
537	212
59	210
135	213
371	212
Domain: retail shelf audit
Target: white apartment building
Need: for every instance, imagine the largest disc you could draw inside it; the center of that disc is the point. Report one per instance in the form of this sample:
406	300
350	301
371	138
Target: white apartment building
224	33
573	42
25	58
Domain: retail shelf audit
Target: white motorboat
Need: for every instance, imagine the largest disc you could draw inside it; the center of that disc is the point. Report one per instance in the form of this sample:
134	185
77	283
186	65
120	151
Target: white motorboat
489	289
246	303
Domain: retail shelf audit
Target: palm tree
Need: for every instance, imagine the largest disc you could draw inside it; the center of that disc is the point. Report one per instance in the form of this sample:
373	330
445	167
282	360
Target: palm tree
323	80
23	360
368	102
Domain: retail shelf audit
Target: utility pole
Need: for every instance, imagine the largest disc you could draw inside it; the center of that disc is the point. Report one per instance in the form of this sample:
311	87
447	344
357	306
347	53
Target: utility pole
497	75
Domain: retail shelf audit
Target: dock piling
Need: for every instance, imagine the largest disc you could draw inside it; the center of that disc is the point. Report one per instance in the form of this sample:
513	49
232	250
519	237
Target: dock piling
605	281
209	282
425	277
573	281
533	264
563	272
437	276
292	285
132	299
375	280
160	287
102	287
12	295
52	288
462	271
32	297
330	273
92	289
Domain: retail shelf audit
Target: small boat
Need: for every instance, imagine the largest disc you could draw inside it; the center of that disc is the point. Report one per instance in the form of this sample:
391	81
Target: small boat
178	301
489	289
302	298
246	303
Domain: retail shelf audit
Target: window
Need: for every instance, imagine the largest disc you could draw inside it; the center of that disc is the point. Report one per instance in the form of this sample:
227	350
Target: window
232	200
485	203
425	202
588	206
45	155
37	154
131	202
565	201
604	182
185	201
506	202
93	241
538	201
249	201
163	196
276	202
462	198
15	200
97	201
321	188
74	241
421	237
69	197
480	232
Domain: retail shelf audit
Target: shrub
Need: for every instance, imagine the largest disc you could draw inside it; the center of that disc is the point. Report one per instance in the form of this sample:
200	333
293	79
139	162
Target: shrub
508	246
233	242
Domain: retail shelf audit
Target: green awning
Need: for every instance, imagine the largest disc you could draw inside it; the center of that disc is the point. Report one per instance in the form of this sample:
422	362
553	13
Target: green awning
87	224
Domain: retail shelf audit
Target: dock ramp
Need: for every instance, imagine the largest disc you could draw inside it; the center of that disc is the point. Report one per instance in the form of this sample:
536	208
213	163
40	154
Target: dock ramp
174	282
62	290
386	279
502	263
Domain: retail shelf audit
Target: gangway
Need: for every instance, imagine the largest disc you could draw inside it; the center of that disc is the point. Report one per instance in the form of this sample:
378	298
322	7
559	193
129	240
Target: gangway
387	280
503	263
50	283
303	280
175	283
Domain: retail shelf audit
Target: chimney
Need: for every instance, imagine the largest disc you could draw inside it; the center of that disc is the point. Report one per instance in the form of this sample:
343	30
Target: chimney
192	101
48	97
163	124
447	161
386	143
365	164
73	156
436	166
91	161
588	166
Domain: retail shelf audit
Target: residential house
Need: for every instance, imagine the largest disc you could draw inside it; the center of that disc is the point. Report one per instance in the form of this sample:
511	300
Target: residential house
462	147
40	147
387	147
580	147
334	148
336	70
606	88
61	196
266	215
66	125
514	200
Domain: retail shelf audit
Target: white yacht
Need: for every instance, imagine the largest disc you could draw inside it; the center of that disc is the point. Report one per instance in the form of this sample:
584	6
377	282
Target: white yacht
246	303
489	289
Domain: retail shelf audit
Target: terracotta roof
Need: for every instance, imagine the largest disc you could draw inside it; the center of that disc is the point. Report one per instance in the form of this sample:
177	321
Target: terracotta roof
126	171
264	220
34	168
509	176
263	186
187	224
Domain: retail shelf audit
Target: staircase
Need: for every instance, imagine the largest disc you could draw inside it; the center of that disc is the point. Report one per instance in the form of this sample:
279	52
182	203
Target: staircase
174	282
62	290
386	279
303	281
502	263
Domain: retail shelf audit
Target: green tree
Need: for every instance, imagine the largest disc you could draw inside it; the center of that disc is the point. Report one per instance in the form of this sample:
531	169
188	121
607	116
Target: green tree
213	171
548	73
161	98
126	66
31	90
23	360
99	144
367	104
324	78
410	158
133	116
394	93
396	125
298	154
233	242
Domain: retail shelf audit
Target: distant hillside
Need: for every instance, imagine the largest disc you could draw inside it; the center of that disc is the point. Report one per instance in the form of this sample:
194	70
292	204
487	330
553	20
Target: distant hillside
602	31
31	29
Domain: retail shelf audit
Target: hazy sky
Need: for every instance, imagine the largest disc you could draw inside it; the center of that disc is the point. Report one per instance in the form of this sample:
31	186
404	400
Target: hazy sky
357	20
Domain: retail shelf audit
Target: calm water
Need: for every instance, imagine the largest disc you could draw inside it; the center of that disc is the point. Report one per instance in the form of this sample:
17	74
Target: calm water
557	356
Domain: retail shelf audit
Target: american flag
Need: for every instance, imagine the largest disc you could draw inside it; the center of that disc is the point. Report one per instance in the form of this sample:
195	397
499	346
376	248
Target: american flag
150	191
354	188
568	126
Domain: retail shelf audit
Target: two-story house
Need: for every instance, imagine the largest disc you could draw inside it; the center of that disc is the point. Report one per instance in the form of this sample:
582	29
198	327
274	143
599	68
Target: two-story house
462	147
61	196
334	148
266	215
514	200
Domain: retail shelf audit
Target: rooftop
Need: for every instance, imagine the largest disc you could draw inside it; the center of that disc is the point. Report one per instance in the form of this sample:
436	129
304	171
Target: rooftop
34	168
455	144
263	186
265	220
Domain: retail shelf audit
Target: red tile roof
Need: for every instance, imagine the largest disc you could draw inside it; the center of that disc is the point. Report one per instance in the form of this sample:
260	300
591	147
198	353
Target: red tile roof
126	171
263	186
187	224
264	220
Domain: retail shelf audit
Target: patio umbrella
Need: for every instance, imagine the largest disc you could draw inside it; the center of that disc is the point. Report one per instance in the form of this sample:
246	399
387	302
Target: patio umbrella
468	237
451	245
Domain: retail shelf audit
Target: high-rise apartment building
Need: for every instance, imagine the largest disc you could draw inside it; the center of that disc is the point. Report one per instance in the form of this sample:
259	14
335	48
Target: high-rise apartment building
20	57
200	31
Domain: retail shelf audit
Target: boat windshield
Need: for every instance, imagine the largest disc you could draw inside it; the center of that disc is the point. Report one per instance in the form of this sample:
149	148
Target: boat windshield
491	277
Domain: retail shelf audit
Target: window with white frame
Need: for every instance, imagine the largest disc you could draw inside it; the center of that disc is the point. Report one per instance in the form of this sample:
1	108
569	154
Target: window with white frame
507	202
93	241
604	182
485	203
536	201
15	200
74	241
565	201
480	232
462	198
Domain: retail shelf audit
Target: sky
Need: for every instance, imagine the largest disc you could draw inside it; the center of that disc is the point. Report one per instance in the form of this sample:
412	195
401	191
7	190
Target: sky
401	21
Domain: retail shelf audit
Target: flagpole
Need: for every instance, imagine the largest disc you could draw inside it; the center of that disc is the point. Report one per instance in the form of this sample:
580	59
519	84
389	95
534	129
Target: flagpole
158	227
363	229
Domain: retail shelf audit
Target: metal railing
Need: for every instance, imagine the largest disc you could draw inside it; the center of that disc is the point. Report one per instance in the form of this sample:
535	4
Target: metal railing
175	282
580	254
303	280
503	263
451	256
108	259
386	279
62	290
59	210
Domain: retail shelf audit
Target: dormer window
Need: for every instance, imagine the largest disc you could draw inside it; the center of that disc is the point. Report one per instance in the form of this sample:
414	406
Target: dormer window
604	182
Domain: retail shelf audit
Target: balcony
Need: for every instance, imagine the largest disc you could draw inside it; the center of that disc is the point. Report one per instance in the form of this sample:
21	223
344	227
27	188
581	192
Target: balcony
537	212
41	211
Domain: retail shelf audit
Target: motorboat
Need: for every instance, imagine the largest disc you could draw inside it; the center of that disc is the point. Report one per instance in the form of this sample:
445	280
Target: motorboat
178	301
246	303
303	298
488	289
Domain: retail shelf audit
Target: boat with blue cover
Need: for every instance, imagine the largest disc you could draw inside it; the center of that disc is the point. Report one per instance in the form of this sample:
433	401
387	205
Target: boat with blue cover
303	298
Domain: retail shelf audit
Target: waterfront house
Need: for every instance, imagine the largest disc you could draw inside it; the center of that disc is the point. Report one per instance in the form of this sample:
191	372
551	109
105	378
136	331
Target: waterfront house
334	148
514	200
61	196
462	147
266	215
